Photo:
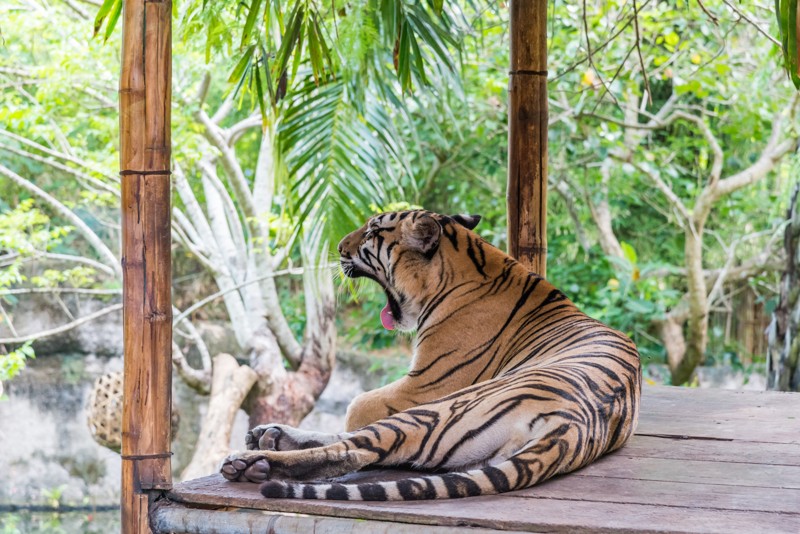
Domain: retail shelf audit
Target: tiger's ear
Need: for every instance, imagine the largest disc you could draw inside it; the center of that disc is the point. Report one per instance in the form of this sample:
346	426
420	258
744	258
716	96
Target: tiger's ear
423	234
467	221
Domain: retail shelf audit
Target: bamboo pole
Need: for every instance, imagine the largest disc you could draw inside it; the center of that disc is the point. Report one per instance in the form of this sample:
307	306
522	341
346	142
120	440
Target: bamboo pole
527	134
144	94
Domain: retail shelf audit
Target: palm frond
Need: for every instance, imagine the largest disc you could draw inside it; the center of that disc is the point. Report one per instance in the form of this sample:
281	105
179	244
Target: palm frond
339	160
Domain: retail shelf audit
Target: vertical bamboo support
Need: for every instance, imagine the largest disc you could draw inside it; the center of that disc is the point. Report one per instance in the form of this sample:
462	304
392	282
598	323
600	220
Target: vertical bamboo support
145	94
527	134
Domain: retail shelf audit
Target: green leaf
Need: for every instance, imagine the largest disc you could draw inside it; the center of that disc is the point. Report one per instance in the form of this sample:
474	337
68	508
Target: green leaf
102	13
112	20
240	70
786	13
252	14
290	39
404	58
629	252
109	13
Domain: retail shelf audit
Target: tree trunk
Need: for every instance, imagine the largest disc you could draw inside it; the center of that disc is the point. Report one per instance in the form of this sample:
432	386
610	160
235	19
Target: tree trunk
783	353
282	396
697	323
230	384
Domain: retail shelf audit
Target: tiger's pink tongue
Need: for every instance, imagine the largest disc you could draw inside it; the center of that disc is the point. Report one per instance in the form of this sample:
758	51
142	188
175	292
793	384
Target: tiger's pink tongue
387	320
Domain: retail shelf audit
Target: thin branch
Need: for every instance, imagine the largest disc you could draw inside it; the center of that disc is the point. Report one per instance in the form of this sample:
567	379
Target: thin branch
64	328
608	41
199	304
56	154
716	166
8	321
65	212
35	157
591	59
197	379
77	9
752	23
215	135
661	185
773	152
233	133
56	290
236	231
712	17
77	259
639	51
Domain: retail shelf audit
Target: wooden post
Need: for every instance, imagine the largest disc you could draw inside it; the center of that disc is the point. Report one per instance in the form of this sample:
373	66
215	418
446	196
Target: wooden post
144	94
527	134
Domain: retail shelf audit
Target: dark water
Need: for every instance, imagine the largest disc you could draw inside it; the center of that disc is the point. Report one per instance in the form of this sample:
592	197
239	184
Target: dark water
84	522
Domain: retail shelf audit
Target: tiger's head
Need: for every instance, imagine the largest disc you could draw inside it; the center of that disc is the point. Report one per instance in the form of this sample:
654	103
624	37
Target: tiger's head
402	252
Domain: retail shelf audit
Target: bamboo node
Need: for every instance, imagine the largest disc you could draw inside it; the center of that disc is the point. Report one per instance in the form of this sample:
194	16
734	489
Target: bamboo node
128	172
523	72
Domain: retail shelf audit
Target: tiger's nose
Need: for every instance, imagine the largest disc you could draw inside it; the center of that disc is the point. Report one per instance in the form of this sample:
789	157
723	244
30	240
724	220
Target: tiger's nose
340	247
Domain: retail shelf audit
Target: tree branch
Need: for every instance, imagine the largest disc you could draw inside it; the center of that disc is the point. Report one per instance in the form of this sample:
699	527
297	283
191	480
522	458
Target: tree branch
210	298
197	379
65	212
752	23
56	290
77	259
662	186
56	154
772	153
716	166
215	135
56	165
63	328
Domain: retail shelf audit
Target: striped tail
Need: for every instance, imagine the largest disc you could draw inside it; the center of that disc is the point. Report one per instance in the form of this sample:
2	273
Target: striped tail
511	474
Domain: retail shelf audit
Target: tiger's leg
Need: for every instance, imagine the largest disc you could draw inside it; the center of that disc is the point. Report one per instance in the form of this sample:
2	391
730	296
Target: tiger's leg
475	427
275	437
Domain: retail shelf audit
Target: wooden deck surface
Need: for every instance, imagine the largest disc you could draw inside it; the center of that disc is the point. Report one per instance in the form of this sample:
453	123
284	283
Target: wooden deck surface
701	461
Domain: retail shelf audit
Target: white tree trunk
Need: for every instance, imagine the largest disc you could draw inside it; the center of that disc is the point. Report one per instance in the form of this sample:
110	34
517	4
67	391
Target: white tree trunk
229	385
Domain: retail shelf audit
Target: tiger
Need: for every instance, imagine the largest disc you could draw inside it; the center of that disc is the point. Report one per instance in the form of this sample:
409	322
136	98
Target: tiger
509	383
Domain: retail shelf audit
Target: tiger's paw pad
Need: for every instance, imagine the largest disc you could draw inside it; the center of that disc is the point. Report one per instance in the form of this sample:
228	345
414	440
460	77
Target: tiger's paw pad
268	438
238	468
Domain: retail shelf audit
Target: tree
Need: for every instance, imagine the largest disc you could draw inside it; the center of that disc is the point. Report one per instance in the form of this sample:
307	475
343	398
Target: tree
248	187
686	89
784	350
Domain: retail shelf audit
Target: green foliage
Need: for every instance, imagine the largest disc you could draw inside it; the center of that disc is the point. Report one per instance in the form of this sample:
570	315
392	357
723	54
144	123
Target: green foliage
13	363
24	232
383	104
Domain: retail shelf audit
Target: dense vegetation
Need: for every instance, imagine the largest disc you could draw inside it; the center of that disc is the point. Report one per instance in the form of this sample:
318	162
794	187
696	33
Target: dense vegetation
672	150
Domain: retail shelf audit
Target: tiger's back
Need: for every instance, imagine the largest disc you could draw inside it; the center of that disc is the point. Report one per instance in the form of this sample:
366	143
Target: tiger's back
509	385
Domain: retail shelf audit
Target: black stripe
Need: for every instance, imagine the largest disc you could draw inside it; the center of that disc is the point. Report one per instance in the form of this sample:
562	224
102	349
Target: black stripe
337	492
498	479
273	489
372	492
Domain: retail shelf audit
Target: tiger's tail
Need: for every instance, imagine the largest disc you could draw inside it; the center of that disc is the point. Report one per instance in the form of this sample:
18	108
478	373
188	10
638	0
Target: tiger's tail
519	471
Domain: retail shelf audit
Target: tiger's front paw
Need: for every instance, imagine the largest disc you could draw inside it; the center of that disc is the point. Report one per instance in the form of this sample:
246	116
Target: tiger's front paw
245	467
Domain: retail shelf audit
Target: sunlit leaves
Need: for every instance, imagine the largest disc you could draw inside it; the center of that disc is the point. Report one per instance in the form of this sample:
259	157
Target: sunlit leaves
12	363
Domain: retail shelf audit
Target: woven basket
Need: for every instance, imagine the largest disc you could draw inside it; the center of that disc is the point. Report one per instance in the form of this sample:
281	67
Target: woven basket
104	411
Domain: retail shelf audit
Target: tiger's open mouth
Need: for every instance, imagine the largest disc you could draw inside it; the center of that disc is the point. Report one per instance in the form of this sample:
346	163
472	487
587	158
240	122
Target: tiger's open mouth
391	313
